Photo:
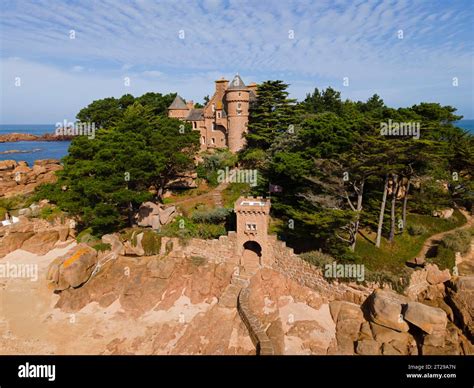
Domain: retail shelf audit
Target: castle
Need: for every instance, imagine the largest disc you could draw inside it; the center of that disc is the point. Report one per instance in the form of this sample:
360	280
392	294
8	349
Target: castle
222	123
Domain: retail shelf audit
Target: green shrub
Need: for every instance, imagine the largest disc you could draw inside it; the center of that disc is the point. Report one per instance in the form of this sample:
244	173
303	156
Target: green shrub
86	236
211	216
12	203
445	258
185	229
151	242
102	247
3	211
458	241
398	281
49	213
417	230
316	258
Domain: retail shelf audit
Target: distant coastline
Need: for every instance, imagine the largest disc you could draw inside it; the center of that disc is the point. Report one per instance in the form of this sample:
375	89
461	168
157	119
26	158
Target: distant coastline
34	142
15	137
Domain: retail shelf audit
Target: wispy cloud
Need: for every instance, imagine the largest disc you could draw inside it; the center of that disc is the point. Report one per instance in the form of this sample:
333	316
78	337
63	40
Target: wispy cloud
181	46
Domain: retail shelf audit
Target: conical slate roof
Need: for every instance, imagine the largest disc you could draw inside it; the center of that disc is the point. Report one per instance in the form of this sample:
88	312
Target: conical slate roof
236	83
178	103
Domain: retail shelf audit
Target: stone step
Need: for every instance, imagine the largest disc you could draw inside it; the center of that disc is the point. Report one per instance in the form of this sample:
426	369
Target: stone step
241	280
229	296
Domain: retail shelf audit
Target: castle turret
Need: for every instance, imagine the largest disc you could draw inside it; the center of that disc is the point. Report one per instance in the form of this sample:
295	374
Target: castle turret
178	108
237	101
252	246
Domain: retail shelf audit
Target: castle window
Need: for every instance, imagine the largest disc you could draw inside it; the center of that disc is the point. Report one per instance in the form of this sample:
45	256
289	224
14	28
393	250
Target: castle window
213	126
251	227
239	105
239	94
218	115
194	125
213	107
239	112
213	141
203	139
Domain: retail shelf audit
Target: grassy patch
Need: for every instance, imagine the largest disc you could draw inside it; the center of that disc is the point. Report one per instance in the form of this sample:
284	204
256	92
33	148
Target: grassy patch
151	242
86	236
12	204
445	258
49	213
318	259
392	257
233	191
102	247
185	229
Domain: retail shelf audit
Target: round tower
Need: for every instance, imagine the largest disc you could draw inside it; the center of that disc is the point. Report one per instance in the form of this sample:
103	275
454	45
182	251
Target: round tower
178	108
237	100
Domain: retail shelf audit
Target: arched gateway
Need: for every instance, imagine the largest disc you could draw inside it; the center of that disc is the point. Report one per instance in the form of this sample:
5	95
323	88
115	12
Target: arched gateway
252	232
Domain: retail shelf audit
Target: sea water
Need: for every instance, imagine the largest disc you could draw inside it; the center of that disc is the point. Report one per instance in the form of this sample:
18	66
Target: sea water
30	151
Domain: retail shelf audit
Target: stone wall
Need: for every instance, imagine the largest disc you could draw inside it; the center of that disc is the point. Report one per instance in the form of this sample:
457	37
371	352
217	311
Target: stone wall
256	330
284	260
291	265
217	250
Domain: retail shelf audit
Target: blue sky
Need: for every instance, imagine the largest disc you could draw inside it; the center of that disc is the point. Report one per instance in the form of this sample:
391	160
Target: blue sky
140	39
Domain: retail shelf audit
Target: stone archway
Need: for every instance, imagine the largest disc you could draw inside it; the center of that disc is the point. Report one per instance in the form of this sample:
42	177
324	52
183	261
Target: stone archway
251	257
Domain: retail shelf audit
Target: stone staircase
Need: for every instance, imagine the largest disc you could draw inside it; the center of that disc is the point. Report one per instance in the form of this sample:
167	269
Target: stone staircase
236	295
231	293
229	297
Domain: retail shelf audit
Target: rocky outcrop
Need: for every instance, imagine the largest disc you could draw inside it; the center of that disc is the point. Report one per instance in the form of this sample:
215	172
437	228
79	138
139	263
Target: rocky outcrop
427	283
133	246
348	318
116	245
154	215
13	241
16	178
460	296
41	242
185	181
385	308
429	319
14	137
36	236
73	269
445	213
435	276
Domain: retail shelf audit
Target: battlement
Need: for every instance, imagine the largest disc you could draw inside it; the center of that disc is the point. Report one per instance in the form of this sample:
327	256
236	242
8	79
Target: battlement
253	204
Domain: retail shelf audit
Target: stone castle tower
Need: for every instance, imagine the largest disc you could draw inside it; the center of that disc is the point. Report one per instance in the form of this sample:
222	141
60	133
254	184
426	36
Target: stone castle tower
252	245
223	122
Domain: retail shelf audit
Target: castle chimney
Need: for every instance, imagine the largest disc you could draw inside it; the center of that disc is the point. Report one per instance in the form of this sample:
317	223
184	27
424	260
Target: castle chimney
190	104
252	87
221	86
